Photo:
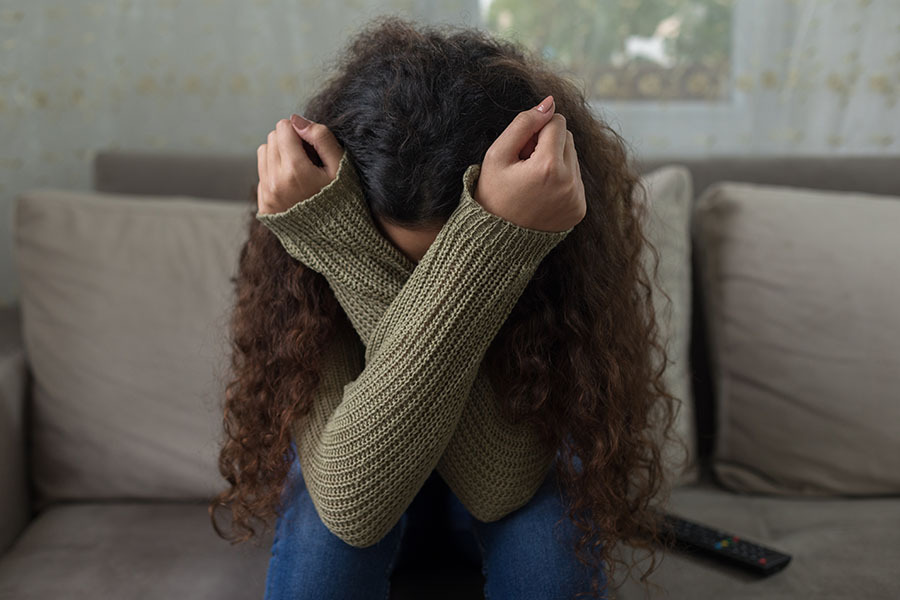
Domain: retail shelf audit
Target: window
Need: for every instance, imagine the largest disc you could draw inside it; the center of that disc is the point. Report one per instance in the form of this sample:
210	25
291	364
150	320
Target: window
633	50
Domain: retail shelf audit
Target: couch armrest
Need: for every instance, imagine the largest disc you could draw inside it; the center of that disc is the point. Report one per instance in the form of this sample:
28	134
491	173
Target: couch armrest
15	508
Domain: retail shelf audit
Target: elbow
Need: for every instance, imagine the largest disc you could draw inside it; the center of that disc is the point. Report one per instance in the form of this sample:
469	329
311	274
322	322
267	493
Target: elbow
497	506
354	517
367	529
488	515
493	507
490	512
355	538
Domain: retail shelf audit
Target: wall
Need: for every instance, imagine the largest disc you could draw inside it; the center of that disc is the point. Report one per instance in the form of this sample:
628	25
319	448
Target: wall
79	76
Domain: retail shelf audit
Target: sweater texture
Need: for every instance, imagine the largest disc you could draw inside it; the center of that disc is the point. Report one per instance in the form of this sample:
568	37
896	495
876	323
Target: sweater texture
405	392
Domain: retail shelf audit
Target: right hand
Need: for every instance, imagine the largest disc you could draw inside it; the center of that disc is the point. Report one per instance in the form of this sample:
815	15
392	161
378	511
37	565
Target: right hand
288	173
544	191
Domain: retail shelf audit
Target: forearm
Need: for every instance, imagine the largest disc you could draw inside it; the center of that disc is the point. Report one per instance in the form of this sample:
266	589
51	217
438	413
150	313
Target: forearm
491	465
333	233
424	355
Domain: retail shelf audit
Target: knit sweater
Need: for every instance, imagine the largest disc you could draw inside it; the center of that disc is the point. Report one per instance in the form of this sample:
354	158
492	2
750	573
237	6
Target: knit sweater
406	393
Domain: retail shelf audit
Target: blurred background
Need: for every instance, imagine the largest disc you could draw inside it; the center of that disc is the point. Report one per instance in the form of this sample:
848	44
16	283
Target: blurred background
674	77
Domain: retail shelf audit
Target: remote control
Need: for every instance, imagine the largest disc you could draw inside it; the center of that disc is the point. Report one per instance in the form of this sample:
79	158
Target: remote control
693	536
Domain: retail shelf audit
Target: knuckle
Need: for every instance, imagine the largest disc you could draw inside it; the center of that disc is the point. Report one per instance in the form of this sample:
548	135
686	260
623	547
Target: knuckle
261	149
317	130
286	169
547	169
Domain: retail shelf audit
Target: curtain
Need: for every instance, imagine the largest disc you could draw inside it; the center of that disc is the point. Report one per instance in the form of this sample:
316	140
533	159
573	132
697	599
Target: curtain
807	77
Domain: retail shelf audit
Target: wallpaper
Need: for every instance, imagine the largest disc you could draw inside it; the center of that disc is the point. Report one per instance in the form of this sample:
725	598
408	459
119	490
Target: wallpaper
78	76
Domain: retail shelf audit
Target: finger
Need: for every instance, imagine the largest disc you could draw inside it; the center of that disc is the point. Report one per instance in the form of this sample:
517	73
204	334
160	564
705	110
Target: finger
552	140
261	162
326	145
525	153
569	157
290	146
273	157
520	130
578	169
578	173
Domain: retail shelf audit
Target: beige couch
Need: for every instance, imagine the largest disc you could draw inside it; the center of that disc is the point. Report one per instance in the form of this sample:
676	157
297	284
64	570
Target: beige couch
784	327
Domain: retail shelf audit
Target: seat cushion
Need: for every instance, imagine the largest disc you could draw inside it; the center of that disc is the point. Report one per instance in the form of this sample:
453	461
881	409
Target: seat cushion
131	550
801	289
840	547
125	303
169	550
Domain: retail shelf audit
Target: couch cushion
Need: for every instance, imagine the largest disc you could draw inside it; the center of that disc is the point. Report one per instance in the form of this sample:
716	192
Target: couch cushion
840	548
86	550
132	550
802	289
172	173
125	301
669	193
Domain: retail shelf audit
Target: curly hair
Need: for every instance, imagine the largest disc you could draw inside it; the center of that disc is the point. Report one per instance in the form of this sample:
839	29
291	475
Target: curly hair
580	356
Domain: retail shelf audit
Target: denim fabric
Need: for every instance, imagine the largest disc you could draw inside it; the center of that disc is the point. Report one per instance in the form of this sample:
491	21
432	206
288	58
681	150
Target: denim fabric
523	555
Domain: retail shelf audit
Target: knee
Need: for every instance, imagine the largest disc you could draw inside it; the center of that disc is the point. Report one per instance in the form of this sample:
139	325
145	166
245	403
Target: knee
531	553
535	568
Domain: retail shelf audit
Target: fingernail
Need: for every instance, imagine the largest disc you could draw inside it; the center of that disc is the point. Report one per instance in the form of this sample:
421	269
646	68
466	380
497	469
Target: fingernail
545	105
299	122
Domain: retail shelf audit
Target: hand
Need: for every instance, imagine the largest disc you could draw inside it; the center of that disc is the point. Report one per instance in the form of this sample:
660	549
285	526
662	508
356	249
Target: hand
287	174
544	191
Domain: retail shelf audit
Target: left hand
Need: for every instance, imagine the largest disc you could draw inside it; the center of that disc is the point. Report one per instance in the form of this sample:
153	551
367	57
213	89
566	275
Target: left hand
287	175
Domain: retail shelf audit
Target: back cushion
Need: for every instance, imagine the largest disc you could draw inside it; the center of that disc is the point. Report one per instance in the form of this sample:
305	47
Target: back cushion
125	302
802	289
669	194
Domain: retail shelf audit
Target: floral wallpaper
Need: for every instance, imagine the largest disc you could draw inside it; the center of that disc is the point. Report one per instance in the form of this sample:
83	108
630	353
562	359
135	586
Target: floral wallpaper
78	76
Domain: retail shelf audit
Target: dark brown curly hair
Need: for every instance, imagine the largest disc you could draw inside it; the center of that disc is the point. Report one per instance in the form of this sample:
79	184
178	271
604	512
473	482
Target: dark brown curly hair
580	356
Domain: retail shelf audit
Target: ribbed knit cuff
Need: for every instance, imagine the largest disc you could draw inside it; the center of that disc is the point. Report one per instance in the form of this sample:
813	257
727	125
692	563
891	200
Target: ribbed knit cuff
506	241
335	217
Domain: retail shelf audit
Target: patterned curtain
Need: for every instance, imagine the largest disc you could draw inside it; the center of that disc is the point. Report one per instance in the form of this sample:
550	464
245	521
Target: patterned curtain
737	77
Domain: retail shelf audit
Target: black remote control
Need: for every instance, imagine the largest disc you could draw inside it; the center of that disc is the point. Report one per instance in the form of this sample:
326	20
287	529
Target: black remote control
693	536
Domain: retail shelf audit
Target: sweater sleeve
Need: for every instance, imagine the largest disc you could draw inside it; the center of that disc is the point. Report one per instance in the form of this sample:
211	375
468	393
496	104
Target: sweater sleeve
366	460
493	466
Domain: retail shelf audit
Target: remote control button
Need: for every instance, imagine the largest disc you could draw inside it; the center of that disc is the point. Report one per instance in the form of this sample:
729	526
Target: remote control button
762	561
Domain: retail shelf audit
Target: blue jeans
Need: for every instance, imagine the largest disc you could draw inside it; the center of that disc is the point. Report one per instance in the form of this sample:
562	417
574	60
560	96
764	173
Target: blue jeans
521	555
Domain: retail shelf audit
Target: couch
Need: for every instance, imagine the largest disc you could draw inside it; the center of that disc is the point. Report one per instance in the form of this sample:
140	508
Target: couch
110	384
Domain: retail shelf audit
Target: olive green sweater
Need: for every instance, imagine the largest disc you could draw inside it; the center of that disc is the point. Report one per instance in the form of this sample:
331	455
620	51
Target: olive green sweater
406	394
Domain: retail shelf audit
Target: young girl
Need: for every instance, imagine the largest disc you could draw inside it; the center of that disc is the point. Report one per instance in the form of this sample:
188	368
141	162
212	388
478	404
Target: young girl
439	294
